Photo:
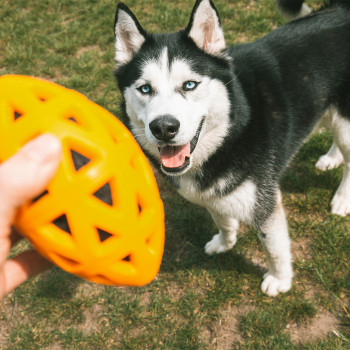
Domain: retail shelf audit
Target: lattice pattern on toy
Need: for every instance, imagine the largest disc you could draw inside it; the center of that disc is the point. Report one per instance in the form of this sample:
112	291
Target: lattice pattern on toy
101	216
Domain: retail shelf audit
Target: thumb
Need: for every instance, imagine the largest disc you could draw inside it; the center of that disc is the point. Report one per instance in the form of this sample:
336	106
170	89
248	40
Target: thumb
26	174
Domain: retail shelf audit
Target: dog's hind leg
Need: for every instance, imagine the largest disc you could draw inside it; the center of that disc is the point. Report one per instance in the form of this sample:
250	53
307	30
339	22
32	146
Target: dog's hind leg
341	130
334	157
227	236
275	238
330	160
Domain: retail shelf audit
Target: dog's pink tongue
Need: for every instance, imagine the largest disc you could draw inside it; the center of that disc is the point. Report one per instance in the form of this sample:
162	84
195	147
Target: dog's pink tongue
174	156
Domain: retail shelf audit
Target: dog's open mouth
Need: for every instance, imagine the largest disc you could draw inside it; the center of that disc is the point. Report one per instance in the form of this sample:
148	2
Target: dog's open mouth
177	158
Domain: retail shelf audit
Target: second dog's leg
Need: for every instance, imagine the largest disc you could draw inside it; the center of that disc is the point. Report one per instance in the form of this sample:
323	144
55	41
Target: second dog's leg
274	236
341	199
330	160
341	131
227	236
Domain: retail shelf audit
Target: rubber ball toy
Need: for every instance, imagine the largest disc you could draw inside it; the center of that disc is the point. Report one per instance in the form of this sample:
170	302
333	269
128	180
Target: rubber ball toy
101	217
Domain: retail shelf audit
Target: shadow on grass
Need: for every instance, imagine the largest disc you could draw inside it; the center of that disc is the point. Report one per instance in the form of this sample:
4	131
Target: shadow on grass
188	228
301	175
299	179
57	285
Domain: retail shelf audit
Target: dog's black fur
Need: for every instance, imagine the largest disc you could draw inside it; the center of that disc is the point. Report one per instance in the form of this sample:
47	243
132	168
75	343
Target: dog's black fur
290	78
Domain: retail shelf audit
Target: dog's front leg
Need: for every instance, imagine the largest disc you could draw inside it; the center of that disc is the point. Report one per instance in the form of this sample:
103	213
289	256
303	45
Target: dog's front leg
275	238
227	236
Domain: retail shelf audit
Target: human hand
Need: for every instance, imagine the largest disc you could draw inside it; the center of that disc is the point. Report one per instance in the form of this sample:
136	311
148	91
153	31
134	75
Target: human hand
22	177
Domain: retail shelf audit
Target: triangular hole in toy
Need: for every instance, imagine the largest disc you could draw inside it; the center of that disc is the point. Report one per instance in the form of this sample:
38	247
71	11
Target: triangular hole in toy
127	258
103	234
17	115
72	119
41	195
79	160
104	194
139	208
62	223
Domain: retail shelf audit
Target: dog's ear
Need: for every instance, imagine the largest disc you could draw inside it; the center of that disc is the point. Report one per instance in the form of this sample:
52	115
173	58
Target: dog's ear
129	35
205	28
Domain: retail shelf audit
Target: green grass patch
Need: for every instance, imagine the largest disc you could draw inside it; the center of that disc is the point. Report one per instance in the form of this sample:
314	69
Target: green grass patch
196	301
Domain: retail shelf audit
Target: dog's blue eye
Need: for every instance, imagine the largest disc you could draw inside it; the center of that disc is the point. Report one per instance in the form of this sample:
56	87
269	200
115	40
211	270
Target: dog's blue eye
145	89
189	85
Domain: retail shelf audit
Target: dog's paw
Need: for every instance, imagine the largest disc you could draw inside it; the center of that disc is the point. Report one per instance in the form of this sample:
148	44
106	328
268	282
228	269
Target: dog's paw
341	205
327	163
272	285
219	244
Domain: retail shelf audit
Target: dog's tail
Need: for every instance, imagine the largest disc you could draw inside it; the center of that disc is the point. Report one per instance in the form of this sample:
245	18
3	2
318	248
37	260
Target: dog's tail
296	8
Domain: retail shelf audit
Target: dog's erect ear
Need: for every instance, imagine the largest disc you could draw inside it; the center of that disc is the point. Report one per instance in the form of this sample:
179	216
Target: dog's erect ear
205	28
129	35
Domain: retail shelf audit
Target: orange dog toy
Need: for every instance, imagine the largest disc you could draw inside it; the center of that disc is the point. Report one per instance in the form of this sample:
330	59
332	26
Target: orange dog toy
101	216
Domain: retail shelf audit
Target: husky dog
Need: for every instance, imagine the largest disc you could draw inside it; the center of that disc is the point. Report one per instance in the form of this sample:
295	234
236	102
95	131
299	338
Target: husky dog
221	123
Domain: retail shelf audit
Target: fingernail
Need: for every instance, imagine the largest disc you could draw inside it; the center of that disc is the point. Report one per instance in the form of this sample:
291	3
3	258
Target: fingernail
43	148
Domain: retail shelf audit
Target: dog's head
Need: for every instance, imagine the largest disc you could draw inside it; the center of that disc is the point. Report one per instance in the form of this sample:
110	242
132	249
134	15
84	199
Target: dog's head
174	87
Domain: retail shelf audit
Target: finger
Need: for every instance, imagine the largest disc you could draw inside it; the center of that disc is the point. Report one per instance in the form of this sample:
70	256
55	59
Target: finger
21	268
26	175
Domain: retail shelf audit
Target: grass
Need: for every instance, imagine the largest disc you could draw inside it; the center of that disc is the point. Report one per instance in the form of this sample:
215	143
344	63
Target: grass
196	302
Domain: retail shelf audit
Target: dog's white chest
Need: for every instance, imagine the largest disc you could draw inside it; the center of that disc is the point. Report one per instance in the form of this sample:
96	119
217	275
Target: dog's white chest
238	204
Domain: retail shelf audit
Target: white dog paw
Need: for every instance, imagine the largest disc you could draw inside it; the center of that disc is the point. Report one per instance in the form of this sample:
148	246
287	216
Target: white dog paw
219	245
272	285
327	163
341	205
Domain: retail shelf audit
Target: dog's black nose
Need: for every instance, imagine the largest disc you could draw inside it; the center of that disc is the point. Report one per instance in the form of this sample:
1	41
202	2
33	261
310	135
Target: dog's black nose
165	128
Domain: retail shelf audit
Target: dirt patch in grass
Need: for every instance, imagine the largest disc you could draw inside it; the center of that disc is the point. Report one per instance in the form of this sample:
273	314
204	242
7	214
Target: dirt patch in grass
224	332
175	291
317	328
92	318
3	334
88	290
8	314
301	249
